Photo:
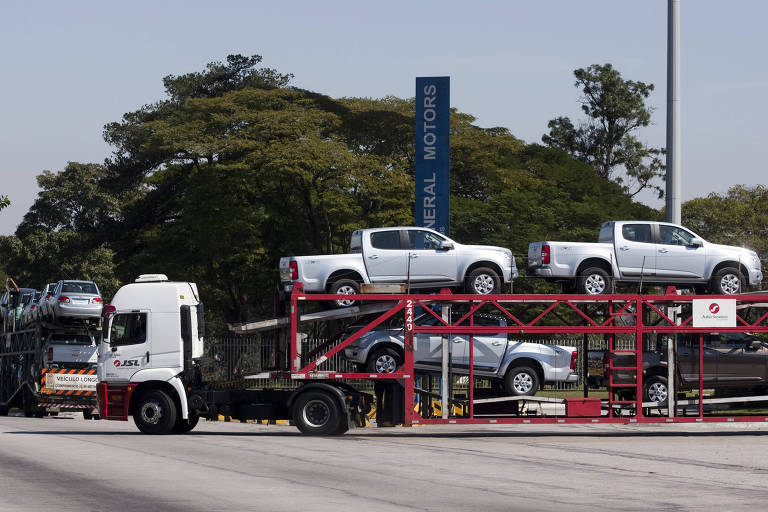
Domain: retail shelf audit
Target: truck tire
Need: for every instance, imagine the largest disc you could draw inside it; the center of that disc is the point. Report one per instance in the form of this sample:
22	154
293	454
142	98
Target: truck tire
383	360
183	426
155	413
483	281
727	281
655	389
521	381
594	281
344	287
317	413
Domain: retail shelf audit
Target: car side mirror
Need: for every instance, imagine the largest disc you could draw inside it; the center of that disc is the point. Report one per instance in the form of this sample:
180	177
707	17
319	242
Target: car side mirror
696	242
445	245
754	345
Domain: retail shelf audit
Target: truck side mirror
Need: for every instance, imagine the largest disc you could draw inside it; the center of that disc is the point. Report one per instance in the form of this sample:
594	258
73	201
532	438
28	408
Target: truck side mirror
445	245
696	242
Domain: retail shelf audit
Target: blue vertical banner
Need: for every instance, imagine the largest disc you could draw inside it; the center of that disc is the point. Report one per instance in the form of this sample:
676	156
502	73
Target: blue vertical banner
432	152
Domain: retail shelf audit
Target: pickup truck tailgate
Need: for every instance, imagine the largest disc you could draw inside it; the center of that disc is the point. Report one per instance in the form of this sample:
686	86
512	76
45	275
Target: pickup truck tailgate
534	254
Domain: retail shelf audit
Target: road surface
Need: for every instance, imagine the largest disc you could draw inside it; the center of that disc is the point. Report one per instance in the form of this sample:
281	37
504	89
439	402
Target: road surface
69	464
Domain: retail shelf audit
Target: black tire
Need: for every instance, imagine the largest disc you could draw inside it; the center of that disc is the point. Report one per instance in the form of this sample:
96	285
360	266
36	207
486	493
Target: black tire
344	287
655	389
155	413
317	413
183	426
483	281
594	281
383	360
29	405
727	281
521	381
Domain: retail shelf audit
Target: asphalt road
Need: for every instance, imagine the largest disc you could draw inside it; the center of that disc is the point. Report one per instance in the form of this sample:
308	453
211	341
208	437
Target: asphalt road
67	463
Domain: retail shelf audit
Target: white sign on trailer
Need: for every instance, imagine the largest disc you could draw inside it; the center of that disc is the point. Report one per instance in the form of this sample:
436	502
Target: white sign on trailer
714	312
71	382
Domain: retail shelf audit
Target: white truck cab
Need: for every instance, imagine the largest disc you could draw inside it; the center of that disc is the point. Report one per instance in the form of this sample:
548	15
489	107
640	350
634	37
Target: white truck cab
151	329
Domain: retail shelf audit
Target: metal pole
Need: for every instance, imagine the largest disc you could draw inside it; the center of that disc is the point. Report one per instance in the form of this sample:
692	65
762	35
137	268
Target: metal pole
444	381
673	112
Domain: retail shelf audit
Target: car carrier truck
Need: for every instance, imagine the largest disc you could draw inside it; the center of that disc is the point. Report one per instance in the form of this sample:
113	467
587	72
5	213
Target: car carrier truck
46	367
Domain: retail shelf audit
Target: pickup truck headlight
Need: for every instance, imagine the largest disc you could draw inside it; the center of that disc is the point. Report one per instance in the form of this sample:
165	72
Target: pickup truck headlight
755	259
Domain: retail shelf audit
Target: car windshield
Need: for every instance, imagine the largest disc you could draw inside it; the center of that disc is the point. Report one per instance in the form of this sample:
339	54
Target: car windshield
80	288
70	339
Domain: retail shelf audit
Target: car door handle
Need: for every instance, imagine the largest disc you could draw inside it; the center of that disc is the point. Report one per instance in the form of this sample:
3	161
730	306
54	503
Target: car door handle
663	251
414	256
373	257
458	340
147	356
497	343
624	248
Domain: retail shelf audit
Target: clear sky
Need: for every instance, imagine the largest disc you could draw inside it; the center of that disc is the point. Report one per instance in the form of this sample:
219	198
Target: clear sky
68	68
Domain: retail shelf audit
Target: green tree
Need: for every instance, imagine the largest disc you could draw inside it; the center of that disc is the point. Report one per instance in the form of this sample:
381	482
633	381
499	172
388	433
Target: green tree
738	217
62	234
606	140
4	202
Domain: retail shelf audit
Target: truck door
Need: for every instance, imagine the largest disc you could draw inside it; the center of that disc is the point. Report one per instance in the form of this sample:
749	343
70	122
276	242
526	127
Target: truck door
675	256
687	352
385	258
128	346
428	261
635	250
488	349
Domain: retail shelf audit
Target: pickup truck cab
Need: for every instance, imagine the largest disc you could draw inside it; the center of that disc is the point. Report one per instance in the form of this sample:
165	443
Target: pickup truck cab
421	257
521	367
650	252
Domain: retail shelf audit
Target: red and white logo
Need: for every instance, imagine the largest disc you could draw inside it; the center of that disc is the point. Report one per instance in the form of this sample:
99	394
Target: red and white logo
117	363
714	308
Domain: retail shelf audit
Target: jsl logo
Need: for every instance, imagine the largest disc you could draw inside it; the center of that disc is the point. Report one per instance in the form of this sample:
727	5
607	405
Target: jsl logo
714	308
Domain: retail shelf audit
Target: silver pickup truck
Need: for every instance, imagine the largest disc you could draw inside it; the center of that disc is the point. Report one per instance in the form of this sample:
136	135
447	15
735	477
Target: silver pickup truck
522	368
652	252
419	256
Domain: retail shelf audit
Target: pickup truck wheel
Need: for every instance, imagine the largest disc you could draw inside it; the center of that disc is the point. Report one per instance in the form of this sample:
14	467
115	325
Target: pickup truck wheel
317	413
521	381
727	281
344	287
155	413
383	360
655	389
594	281
483	281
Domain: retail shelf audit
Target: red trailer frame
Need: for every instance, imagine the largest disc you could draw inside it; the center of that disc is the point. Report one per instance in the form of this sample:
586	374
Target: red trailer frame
610	315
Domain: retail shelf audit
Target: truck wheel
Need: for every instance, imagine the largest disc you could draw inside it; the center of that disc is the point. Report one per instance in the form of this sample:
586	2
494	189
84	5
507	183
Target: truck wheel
483	281
383	360
727	281
317	413
155	413
183	426
655	389
521	381
344	287
594	281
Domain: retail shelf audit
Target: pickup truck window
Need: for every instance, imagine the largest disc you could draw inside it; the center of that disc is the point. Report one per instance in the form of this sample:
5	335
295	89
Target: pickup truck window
637	233
356	243
418	239
672	235
606	233
385	240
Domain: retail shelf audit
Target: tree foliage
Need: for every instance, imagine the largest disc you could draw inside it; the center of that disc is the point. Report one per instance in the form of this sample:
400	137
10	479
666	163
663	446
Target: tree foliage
606	140
739	217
